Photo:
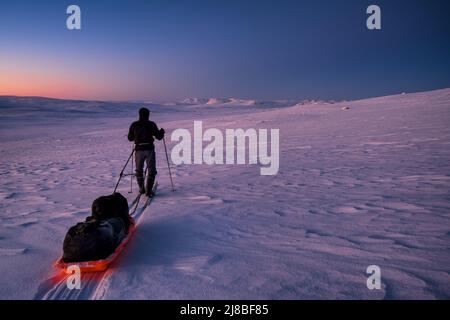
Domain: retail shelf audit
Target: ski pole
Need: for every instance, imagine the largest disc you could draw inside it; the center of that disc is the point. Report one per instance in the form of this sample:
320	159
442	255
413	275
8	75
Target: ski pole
121	172
168	164
131	180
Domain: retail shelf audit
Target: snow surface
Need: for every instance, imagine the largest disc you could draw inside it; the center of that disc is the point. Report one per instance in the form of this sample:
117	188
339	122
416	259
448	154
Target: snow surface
360	183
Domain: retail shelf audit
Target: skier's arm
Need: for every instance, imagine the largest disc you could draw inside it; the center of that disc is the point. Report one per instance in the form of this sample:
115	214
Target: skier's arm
131	133
158	133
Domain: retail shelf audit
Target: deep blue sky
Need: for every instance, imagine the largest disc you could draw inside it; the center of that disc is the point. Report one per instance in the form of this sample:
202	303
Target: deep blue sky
169	50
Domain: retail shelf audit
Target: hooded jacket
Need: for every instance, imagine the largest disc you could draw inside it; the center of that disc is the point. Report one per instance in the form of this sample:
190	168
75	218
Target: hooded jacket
143	131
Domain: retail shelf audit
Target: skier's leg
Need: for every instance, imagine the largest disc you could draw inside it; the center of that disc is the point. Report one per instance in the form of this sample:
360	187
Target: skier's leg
151	165
140	160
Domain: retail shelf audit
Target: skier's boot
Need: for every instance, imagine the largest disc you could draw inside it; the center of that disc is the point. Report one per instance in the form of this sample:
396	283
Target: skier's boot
150	182
140	181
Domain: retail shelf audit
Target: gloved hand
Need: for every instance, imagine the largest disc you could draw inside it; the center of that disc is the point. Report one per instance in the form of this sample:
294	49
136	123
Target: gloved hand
162	131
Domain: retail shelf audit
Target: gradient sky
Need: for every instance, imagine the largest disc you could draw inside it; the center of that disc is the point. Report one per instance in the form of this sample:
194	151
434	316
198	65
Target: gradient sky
170	50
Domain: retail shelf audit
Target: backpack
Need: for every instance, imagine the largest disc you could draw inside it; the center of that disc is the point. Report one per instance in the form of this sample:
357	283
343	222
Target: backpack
112	206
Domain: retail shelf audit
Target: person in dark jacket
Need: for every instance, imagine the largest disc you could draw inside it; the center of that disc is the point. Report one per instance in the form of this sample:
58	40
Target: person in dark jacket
142	132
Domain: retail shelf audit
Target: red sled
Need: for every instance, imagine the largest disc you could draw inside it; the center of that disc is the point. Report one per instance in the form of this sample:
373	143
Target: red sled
102	264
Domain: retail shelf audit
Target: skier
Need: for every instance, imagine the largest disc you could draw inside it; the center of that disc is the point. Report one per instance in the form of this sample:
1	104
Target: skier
142	133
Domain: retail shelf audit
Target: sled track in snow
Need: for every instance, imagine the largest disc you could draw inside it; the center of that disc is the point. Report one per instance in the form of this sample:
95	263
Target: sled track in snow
93	284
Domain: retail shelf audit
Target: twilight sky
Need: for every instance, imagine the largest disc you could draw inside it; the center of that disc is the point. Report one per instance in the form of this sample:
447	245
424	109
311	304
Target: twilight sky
170	50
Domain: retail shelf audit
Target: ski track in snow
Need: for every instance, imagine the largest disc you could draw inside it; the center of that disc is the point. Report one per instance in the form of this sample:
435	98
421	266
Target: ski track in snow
361	186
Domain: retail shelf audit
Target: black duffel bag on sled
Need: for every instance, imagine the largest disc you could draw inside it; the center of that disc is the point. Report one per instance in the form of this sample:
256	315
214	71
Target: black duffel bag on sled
101	233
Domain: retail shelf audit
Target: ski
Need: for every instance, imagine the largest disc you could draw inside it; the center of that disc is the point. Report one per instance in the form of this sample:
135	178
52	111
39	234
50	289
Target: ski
134	201
136	215
134	204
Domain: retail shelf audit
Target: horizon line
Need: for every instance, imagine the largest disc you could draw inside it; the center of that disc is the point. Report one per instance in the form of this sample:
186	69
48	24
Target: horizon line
172	101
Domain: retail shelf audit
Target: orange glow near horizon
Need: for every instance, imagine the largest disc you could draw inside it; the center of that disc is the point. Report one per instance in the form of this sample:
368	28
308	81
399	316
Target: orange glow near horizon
55	86
65	81
18	84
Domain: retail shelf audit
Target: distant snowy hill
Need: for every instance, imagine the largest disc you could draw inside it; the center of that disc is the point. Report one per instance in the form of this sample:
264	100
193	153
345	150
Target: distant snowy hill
11	106
38	107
